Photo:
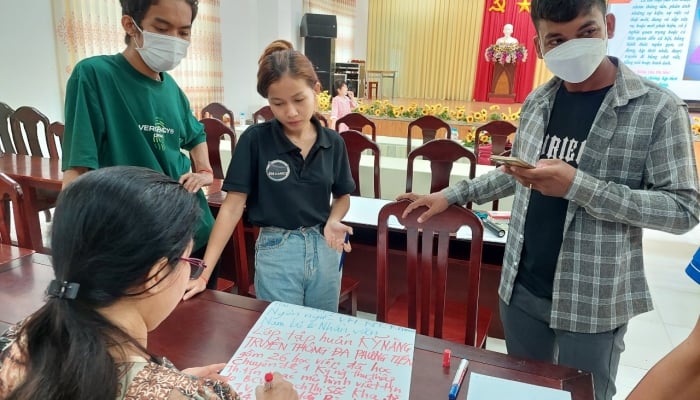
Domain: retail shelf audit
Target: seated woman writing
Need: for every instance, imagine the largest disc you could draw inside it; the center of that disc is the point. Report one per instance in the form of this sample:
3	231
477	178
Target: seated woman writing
121	239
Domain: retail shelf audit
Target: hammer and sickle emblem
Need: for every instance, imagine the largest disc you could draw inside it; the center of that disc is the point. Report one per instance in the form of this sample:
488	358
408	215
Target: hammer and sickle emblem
498	6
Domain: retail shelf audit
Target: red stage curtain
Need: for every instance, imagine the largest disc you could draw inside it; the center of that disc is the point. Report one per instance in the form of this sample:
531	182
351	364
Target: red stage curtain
492	29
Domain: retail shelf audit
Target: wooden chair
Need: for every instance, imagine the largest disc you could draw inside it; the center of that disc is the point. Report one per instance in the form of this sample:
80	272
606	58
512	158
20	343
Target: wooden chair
263	114
5	134
9	189
25	122
429	126
348	286
499	131
357	122
218	111
7	147
427	276
442	153
56	129
321	119
355	144
216	130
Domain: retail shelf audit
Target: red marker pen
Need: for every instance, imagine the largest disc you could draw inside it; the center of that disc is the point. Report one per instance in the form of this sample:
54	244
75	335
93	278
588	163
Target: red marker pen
268	381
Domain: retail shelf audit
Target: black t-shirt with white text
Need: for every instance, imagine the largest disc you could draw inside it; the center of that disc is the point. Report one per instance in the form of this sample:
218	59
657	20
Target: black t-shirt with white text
569	124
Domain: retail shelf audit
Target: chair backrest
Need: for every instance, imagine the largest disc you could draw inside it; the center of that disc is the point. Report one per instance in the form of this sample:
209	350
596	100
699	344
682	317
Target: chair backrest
25	123
5	135
263	114
10	190
216	130
56	129
442	153
499	132
429	126
321	119
241	265
218	111
355	143
356	122
427	274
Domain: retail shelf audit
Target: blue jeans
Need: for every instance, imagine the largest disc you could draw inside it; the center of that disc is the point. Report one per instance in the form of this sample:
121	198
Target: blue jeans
297	267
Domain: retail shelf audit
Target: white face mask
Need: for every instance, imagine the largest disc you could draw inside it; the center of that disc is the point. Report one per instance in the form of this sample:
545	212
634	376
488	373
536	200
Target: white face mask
161	52
575	60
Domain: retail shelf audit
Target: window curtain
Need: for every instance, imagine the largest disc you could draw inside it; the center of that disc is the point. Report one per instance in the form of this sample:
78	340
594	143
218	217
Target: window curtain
498	13
87	28
432	44
344	10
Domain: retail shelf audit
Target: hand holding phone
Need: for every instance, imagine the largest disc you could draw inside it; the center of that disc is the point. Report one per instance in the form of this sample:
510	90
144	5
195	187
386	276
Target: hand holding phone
511	161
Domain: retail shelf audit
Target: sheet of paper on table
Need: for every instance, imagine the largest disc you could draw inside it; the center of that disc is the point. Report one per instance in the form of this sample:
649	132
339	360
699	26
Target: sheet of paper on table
484	387
325	355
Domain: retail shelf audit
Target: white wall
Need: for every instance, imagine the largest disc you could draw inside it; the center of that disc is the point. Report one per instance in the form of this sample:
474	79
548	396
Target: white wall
247	26
28	71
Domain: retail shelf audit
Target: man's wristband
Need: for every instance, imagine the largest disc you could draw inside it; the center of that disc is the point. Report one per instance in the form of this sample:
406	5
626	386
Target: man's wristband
208	171
205	280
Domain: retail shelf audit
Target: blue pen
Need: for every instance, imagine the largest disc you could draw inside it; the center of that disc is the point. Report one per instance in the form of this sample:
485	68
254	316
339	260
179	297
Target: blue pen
342	254
459	377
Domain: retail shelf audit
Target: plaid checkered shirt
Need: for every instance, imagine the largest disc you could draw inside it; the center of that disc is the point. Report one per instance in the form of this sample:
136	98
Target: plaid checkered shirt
637	171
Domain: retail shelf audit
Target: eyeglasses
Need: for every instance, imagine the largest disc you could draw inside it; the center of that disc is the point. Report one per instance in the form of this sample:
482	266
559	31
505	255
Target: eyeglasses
197	267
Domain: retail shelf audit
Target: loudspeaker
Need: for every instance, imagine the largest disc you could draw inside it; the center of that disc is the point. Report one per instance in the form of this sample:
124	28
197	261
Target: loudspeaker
318	25
321	53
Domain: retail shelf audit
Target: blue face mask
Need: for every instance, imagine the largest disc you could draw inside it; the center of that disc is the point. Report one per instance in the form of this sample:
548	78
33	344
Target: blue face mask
161	52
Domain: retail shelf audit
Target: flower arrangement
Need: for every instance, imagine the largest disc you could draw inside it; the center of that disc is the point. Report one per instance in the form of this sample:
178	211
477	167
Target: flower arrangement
324	101
382	108
506	53
470	138
696	127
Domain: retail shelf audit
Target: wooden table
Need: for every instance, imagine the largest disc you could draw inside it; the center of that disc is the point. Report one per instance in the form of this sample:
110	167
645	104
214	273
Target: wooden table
33	173
23	282
210	327
381	74
9	253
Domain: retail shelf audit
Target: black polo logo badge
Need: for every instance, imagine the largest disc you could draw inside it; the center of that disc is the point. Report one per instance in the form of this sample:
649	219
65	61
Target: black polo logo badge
277	170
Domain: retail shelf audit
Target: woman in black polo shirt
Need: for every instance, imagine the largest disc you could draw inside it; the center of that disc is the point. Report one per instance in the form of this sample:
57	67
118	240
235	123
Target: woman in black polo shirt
284	172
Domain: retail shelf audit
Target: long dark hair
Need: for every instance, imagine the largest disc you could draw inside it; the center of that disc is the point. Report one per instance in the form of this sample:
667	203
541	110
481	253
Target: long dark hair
111	226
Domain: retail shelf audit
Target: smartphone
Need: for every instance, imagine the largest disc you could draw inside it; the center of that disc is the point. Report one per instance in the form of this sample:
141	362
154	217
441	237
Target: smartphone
512	161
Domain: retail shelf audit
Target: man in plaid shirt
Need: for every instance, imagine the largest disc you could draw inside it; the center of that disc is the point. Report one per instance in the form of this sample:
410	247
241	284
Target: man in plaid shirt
613	155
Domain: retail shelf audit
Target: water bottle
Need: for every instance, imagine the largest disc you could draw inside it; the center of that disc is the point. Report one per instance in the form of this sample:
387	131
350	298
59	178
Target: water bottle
241	119
454	134
693	269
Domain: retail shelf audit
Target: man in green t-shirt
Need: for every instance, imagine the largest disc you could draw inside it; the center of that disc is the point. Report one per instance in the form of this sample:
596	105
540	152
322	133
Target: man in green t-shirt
124	109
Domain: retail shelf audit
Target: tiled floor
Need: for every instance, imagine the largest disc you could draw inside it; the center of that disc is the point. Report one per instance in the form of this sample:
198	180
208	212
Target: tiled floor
676	300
